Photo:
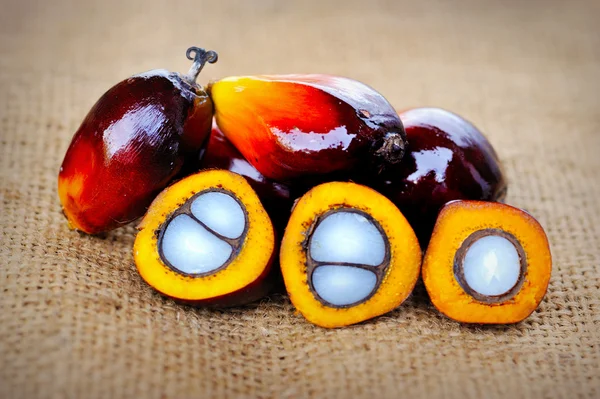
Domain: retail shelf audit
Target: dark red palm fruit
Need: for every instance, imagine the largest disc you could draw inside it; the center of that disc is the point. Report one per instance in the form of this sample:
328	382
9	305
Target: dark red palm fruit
447	158
290	126
132	143
277	198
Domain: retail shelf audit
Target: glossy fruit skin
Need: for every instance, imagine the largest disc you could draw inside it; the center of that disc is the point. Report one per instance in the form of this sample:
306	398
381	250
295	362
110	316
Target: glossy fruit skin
132	143
277	198
447	159
290	126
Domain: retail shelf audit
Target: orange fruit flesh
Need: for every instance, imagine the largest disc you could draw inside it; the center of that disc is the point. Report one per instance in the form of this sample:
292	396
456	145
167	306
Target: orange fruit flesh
404	254
242	280
456	222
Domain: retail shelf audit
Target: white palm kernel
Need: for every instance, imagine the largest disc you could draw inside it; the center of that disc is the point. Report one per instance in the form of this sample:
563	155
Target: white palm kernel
343	285
491	266
347	237
221	213
191	248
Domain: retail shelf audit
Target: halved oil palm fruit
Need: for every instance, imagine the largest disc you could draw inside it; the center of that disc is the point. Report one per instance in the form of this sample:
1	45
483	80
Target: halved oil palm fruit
348	255
207	240
486	263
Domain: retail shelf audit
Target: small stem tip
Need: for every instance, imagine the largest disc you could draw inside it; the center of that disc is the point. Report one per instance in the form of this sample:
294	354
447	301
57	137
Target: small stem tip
392	149
200	58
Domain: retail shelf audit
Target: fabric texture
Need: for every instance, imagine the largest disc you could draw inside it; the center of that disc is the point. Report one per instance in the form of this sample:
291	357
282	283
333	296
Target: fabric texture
77	321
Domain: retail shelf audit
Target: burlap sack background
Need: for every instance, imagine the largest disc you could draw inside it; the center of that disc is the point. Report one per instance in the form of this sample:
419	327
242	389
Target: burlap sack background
76	321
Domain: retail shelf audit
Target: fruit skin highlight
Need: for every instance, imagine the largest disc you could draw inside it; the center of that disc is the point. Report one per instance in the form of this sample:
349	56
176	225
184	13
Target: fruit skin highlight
131	144
447	158
288	126
456	222
249	275
401	274
277	198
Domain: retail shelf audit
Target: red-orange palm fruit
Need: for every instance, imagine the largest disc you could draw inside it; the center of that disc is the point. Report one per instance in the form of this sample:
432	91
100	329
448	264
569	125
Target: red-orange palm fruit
132	143
290	126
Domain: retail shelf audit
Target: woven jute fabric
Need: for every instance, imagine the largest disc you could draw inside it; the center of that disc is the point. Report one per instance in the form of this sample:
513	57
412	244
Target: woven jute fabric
76	319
